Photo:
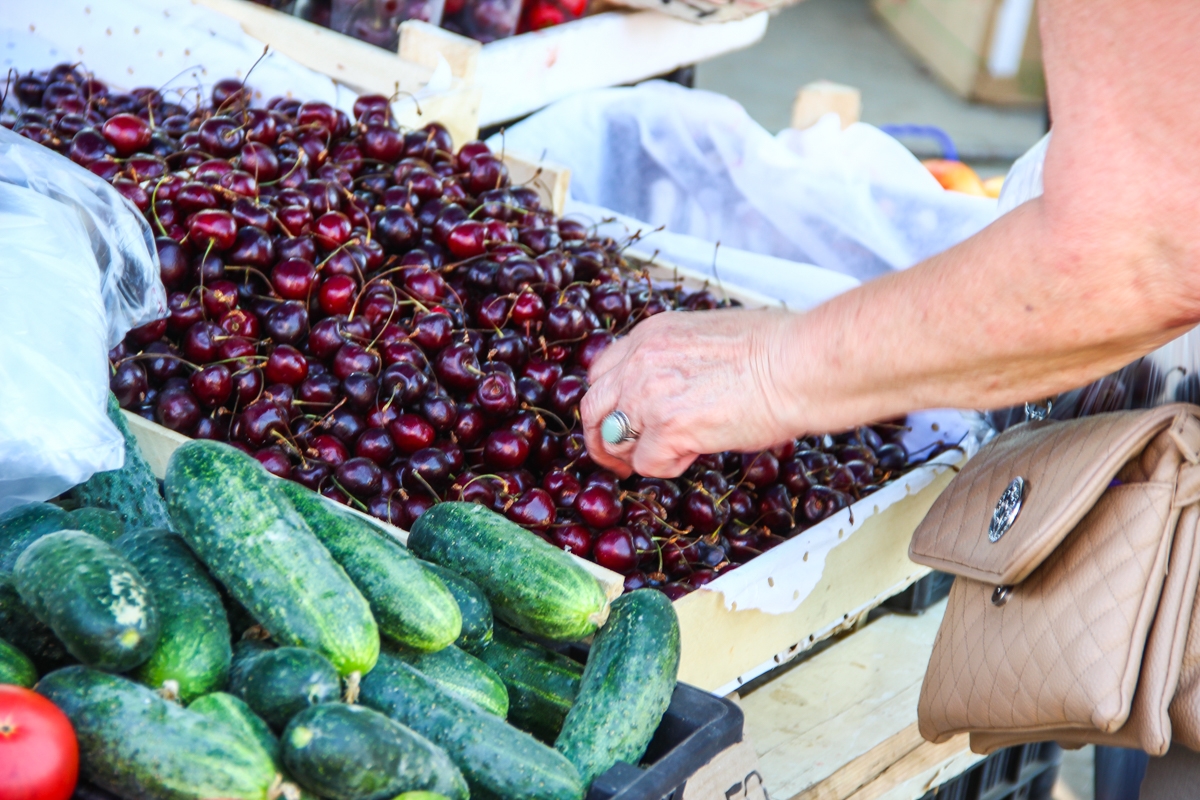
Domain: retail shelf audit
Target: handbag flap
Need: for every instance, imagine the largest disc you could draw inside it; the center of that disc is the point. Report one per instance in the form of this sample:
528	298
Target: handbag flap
1018	498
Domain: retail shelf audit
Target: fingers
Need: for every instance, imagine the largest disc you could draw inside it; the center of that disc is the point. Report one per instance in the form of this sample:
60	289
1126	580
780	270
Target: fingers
600	400
609	358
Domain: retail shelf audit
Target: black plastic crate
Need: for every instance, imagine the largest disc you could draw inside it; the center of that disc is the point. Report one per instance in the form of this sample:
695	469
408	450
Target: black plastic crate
1025	772
696	727
922	594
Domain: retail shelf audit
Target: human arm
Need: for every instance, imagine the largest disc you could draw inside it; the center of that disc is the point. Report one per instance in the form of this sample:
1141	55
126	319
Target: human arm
1101	269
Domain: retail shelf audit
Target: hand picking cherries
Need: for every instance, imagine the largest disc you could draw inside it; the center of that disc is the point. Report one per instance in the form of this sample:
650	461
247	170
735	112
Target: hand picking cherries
393	323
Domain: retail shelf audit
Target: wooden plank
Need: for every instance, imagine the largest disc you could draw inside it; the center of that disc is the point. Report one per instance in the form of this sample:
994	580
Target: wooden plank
359	66
843	724
732	774
523	73
422	43
158	443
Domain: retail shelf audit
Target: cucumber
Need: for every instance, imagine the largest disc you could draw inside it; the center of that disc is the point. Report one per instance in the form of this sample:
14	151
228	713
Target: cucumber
27	632
626	687
193	647
239	717
91	597
497	760
278	684
420	796
345	752
477	622
24	525
244	653
461	673
237	520
410	605
15	666
132	490
137	745
542	684
533	586
105	525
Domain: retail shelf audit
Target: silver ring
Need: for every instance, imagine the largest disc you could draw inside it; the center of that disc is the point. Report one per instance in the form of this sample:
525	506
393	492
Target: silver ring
615	429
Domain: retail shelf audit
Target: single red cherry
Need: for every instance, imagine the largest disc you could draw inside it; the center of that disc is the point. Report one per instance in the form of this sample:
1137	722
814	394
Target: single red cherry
614	550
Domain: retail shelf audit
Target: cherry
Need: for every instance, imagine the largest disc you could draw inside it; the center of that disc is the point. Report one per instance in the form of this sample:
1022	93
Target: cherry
562	486
178	411
311	474
440	411
486	172
129	384
701	511
127	133
164	363
566	394
611	303
469	427
358	476
221	136
285	365
533	509
150	332
592	346
497	395
794	476
360	389
260	420
544	372
614	549
466	239
212	226
821	502
252	247
287	323
212	385
505	450
397	229
351	358
429	464
329	449
598	506
775	508
336	294
331	230
565	322
457	367
293	278
760	469
247	385
296	220
411	433
573	538
892	457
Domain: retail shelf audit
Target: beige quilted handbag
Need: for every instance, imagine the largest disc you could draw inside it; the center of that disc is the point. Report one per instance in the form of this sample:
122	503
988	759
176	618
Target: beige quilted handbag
1076	553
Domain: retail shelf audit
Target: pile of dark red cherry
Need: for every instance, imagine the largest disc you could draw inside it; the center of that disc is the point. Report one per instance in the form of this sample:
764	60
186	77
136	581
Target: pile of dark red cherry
392	324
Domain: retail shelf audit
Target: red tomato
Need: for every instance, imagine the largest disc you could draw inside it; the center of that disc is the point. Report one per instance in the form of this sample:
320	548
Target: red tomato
39	756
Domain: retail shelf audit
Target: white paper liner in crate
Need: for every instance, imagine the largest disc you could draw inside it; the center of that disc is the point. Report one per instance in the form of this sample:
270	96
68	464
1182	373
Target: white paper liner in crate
778	581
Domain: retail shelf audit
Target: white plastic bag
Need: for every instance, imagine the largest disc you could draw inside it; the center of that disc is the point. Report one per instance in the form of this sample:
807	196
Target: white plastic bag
78	270
854	201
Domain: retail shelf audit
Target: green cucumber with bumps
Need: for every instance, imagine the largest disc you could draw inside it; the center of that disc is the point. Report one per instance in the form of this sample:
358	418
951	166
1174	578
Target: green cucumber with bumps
93	599
542	684
105	525
193	647
345	752
132	490
498	761
24	525
15	666
240	718
32	636
532	585
626	687
411	605
477	619
460	672
278	684
136	744
238	521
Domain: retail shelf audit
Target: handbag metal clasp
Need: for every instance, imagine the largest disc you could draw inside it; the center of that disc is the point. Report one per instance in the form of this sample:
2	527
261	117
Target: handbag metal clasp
1007	509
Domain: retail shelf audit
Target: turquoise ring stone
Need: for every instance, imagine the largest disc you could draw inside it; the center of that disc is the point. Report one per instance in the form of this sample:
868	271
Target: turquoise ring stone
615	428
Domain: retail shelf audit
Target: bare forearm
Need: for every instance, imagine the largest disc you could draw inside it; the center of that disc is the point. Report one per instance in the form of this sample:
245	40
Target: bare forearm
1029	307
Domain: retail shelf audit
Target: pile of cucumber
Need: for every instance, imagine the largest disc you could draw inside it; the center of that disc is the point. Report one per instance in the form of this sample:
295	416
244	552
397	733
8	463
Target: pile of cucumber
245	638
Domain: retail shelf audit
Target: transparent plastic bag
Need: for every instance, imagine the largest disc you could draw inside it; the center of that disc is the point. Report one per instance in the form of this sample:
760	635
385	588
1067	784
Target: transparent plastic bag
1168	375
854	200
79	270
378	21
